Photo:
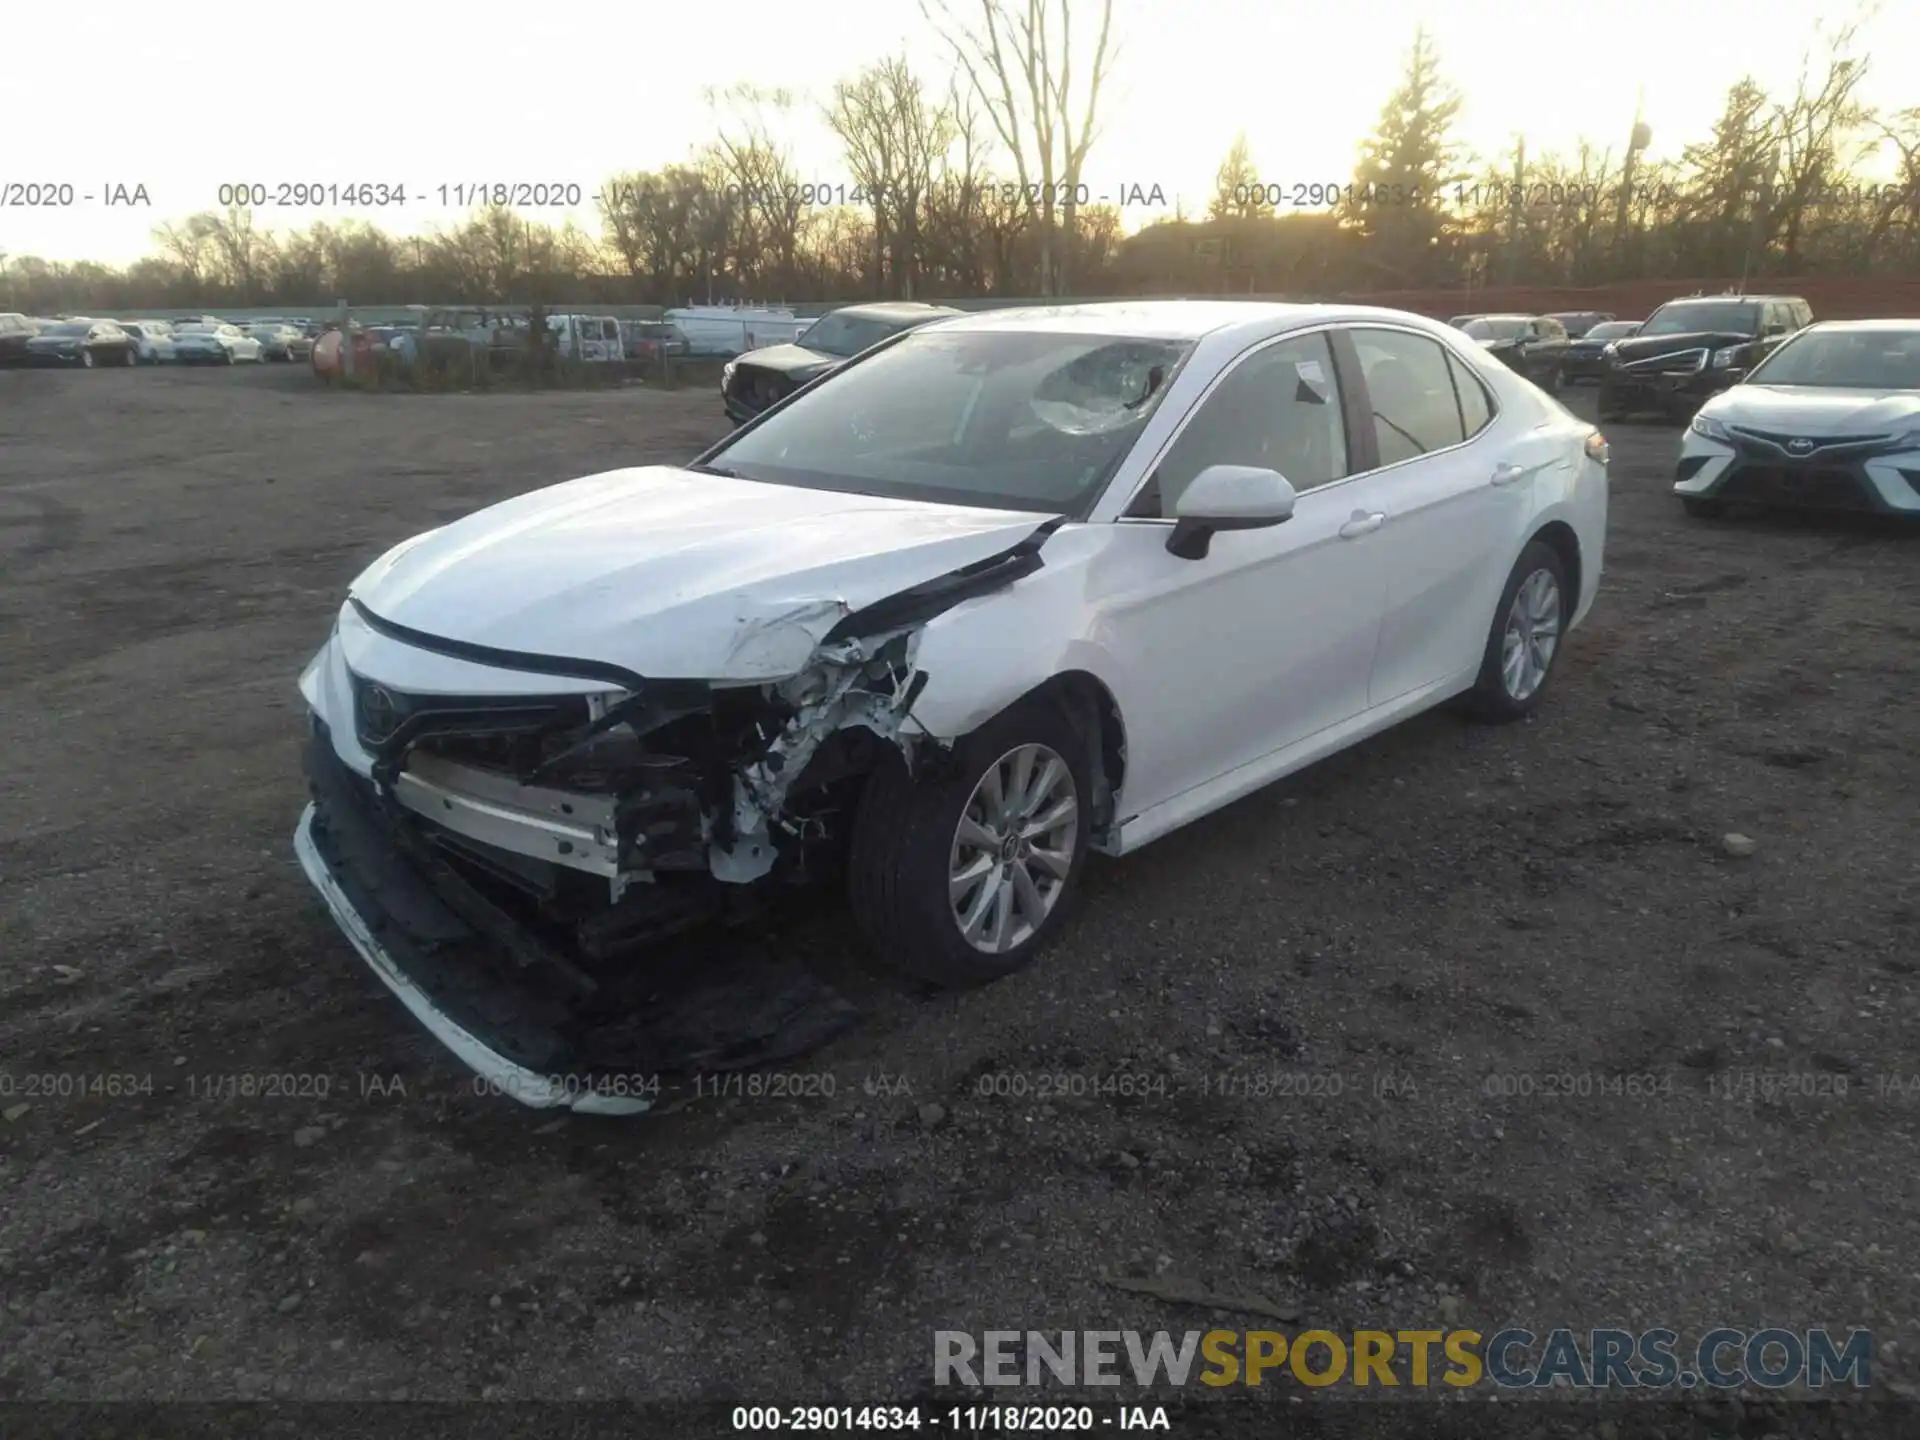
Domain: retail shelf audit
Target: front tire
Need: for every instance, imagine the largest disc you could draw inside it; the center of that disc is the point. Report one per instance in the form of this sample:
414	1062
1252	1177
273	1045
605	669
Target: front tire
961	876
86	360
1529	625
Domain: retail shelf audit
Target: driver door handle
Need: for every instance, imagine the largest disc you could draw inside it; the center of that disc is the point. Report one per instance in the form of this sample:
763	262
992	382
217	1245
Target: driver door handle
1362	524
1507	472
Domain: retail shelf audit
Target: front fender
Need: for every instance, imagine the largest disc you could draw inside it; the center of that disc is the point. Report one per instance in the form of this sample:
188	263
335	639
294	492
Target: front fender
981	657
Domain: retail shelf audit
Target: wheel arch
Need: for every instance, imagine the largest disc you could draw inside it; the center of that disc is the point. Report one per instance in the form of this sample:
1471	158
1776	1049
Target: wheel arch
1559	536
1091	706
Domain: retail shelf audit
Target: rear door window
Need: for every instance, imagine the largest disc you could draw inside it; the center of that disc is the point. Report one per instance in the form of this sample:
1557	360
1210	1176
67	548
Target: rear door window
1415	407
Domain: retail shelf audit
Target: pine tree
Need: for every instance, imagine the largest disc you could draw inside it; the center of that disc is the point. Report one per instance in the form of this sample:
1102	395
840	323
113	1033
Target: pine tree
1408	167
1236	185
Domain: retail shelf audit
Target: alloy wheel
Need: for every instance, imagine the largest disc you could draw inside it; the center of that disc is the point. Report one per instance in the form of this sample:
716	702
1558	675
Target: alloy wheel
1532	635
1013	848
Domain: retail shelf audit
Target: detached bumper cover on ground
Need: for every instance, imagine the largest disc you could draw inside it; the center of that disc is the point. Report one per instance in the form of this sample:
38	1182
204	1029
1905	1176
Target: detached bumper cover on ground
516	1034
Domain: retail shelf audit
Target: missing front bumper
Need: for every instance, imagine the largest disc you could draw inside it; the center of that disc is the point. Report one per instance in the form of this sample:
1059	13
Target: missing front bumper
649	1031
540	1089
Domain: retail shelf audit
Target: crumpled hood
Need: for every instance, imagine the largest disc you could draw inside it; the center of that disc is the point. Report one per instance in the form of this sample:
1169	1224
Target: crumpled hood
1816	410
788	359
674	574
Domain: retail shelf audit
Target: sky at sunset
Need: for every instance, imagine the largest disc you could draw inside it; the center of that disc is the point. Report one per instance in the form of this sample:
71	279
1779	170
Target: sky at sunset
222	92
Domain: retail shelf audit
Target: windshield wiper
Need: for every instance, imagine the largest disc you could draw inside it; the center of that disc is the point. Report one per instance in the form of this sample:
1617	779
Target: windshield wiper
720	470
1155	378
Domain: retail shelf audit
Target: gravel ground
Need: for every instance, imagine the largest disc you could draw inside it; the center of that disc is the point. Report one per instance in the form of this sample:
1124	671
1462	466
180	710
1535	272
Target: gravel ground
1429	929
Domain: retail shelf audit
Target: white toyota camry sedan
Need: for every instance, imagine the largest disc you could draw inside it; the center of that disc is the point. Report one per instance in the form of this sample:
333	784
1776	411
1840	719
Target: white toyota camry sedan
999	592
1829	421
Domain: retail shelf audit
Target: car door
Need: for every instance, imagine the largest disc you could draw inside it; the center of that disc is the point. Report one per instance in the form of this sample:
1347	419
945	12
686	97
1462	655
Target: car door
1268	638
1456	486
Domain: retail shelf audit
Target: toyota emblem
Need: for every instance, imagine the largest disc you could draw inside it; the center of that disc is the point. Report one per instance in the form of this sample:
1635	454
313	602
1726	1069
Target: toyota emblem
378	712
1800	447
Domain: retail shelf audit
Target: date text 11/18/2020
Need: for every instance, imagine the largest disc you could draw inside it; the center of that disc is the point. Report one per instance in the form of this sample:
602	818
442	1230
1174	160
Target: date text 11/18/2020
835	193
960	1419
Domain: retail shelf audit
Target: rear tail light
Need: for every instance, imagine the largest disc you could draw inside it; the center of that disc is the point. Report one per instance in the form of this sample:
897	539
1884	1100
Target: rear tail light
1597	448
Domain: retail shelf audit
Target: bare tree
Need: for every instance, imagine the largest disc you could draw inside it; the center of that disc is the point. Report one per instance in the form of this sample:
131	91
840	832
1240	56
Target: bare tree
1819	136
892	138
1896	218
761	185
244	251
1019	60
187	244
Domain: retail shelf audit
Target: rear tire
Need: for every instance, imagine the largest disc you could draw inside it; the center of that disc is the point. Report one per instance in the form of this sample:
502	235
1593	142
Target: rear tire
910	844
1703	507
1513	675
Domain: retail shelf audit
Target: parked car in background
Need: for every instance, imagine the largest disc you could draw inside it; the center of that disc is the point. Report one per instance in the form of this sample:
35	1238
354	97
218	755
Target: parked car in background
734	329
589	339
280	341
15	331
180	320
761	378
1691	349
1578	322
85	343
214	344
1584	359
1830	420
153	340
1531	345
998	595
648	340
1457	321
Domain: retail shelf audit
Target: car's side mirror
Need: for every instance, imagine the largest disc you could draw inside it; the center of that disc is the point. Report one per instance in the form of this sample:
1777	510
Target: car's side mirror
1227	497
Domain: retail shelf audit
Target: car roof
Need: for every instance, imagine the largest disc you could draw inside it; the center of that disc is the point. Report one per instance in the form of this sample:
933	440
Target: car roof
1729	299
1866	325
1188	320
896	310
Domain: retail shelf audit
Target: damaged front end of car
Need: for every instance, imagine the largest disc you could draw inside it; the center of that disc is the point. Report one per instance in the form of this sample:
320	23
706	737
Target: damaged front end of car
533	865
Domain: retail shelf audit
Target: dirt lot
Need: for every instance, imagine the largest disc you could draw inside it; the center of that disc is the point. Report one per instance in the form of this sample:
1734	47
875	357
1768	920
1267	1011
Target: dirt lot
1443	913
